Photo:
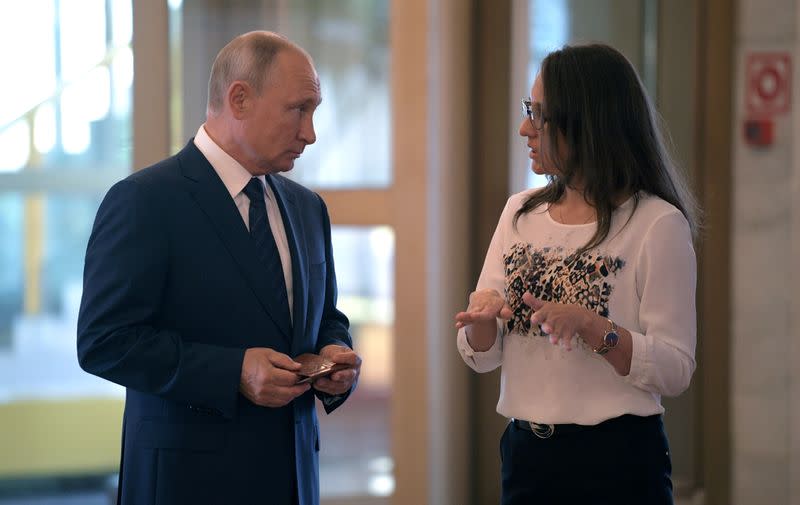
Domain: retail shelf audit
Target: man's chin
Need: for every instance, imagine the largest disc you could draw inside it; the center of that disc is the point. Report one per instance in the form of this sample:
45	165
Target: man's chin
281	165
285	167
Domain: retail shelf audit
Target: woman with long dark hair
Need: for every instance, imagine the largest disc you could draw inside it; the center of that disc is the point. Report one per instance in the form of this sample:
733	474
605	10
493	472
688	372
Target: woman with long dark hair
587	294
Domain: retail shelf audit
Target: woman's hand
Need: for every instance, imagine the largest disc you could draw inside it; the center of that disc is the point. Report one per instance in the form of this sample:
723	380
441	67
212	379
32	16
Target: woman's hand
560	321
480	319
485	305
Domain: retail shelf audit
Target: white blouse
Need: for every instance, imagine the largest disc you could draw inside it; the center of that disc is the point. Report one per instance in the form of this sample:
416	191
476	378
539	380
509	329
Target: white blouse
642	276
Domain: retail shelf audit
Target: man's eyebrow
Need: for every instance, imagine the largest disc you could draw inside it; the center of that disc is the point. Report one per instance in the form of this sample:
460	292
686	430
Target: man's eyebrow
306	101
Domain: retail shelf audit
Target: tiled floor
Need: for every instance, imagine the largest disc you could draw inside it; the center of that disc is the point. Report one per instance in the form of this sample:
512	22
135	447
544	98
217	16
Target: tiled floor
354	448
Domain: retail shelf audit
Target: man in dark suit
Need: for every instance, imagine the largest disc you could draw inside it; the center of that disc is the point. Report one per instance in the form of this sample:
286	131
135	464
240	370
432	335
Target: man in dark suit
205	274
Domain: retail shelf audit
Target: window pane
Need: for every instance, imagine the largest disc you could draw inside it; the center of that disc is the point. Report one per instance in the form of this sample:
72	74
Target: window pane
67	129
355	457
348	40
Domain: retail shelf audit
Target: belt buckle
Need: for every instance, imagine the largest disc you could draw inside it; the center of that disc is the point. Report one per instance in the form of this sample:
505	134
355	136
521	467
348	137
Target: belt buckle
542	430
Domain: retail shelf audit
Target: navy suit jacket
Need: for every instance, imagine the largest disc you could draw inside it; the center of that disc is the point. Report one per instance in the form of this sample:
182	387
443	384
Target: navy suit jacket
174	294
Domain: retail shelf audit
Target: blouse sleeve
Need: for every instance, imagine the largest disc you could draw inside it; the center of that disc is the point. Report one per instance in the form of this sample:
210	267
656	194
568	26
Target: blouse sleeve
492	276
663	361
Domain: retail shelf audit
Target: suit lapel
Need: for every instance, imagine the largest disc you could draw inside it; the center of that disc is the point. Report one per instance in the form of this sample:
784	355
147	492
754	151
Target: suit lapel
296	237
216	203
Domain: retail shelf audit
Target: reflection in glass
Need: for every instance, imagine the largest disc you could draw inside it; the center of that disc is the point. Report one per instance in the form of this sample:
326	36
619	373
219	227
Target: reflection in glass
348	40
11	279
82	37
122	80
30	73
60	150
14	146
354	448
549	30
44	133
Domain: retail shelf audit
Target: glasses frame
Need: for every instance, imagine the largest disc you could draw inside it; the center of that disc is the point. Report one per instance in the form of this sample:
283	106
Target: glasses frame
535	115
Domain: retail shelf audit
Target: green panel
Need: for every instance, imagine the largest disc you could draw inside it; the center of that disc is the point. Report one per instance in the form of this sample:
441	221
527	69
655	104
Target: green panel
60	437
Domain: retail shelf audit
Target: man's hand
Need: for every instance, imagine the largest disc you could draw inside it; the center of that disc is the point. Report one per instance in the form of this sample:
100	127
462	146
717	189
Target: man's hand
269	378
339	382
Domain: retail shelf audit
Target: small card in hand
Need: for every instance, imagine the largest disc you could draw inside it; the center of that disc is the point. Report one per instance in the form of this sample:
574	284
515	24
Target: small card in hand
314	366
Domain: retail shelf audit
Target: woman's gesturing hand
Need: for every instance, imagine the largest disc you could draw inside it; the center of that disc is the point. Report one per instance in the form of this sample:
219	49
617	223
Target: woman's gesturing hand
560	321
484	305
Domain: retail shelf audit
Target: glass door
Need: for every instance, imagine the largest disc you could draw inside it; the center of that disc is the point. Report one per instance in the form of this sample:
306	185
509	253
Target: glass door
350	167
65	137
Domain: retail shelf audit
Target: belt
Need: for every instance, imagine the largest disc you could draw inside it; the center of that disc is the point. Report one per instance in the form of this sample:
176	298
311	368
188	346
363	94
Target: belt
547	430
542	430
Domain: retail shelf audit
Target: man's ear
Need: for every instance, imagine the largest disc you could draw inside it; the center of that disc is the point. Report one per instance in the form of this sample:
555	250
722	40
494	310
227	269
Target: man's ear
239	98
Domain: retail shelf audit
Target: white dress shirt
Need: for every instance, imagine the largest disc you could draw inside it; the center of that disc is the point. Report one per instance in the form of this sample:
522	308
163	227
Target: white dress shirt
235	177
642	276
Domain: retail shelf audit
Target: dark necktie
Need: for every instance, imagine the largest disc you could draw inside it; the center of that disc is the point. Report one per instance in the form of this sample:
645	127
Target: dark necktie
266	247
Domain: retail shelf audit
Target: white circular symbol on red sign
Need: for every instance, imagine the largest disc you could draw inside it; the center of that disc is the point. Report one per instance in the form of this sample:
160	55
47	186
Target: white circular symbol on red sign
768	83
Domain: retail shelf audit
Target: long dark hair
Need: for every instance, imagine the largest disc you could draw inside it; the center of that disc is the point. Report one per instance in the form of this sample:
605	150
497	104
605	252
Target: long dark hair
614	140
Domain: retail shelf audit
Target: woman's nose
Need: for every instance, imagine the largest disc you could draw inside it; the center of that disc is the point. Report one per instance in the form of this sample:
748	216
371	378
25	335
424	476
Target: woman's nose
526	129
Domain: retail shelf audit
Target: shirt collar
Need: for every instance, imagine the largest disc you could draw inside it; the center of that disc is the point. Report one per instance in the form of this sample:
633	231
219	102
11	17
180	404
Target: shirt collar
234	176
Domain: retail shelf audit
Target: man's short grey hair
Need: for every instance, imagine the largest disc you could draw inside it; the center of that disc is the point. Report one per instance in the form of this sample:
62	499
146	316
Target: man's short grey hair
246	58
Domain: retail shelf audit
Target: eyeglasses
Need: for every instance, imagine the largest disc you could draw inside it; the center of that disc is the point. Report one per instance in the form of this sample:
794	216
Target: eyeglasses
534	113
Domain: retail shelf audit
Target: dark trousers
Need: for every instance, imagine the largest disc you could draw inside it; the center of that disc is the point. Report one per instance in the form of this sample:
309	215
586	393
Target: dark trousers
618	462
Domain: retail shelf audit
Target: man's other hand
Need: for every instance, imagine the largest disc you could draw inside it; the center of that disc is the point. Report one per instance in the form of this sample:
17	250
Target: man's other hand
340	382
269	378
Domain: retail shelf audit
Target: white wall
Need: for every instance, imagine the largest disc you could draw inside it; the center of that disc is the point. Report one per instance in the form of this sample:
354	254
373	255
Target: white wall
765	382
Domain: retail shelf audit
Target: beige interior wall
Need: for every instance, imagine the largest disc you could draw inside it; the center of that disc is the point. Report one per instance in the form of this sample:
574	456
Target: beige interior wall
430	43
794	302
150	58
410	405
764	235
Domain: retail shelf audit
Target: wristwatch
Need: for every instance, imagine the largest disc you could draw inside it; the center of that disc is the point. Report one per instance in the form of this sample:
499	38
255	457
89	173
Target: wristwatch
610	339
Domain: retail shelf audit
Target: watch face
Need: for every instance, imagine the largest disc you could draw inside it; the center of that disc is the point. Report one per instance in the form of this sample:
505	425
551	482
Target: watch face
611	339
